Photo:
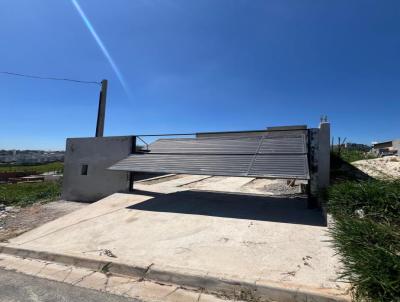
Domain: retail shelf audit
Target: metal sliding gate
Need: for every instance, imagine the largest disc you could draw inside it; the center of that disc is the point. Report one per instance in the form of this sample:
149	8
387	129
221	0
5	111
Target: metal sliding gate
269	154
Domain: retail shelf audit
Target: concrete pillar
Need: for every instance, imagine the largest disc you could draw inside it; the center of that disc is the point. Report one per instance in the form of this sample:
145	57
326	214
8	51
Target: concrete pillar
319	158
324	155
313	156
131	174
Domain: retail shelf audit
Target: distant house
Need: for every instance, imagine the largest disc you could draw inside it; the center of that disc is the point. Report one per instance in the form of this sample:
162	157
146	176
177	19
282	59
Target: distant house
387	148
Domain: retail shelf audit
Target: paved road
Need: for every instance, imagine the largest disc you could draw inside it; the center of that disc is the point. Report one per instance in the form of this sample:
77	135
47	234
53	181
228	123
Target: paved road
16	287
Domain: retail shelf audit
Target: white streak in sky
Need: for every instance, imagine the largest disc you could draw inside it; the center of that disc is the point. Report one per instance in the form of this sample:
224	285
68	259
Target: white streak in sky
102	46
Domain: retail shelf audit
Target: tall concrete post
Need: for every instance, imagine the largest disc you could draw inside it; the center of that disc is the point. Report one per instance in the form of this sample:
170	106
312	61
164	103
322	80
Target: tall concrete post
101	113
319	157
324	155
313	156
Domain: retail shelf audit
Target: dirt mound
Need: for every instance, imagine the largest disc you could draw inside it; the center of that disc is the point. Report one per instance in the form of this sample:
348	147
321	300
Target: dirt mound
383	168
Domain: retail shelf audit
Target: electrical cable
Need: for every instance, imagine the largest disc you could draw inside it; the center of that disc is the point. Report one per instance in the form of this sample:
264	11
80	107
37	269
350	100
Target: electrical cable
48	78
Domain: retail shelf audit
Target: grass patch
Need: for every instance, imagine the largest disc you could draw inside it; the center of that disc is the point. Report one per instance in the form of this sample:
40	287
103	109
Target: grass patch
36	168
23	194
370	257
354	155
377	200
366	234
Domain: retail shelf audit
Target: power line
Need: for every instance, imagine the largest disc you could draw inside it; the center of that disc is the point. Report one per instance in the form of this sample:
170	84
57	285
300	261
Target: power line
48	78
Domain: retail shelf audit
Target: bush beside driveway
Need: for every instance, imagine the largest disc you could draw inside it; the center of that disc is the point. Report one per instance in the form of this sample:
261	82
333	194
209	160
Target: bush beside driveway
366	234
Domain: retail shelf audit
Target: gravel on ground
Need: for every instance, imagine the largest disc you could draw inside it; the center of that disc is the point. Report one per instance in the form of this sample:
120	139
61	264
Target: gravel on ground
16	220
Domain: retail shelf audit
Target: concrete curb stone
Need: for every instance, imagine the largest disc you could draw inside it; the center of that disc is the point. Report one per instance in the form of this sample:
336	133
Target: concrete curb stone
261	290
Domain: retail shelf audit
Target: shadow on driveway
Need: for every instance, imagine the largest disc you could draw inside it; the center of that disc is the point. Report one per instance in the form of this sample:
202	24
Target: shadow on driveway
264	208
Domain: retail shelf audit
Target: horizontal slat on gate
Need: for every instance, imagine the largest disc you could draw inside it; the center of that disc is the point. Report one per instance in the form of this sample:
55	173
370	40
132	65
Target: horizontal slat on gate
208	146
290	145
241	145
236	165
284	166
226	165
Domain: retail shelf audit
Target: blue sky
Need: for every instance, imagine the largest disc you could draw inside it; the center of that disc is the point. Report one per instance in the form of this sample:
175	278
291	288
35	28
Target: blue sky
199	65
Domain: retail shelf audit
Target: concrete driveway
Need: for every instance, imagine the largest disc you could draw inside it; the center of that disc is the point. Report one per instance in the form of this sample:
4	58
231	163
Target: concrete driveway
196	238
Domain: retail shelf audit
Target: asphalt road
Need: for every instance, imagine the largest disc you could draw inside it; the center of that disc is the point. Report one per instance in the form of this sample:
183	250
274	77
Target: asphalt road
19	287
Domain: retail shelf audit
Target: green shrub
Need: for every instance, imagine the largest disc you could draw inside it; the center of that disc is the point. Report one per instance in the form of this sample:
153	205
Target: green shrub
34	168
353	155
377	200
370	254
23	194
366	234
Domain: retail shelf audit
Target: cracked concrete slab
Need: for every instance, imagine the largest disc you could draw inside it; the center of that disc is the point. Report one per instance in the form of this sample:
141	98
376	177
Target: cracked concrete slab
220	183
169	185
174	183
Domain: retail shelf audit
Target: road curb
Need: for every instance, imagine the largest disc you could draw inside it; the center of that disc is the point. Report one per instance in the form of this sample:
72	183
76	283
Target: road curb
260	290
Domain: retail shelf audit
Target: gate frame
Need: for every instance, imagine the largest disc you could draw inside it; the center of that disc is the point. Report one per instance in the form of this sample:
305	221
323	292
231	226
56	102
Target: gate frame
318	154
99	153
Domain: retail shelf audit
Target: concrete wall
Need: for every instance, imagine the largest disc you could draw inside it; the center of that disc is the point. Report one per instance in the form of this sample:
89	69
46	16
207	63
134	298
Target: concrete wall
98	153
